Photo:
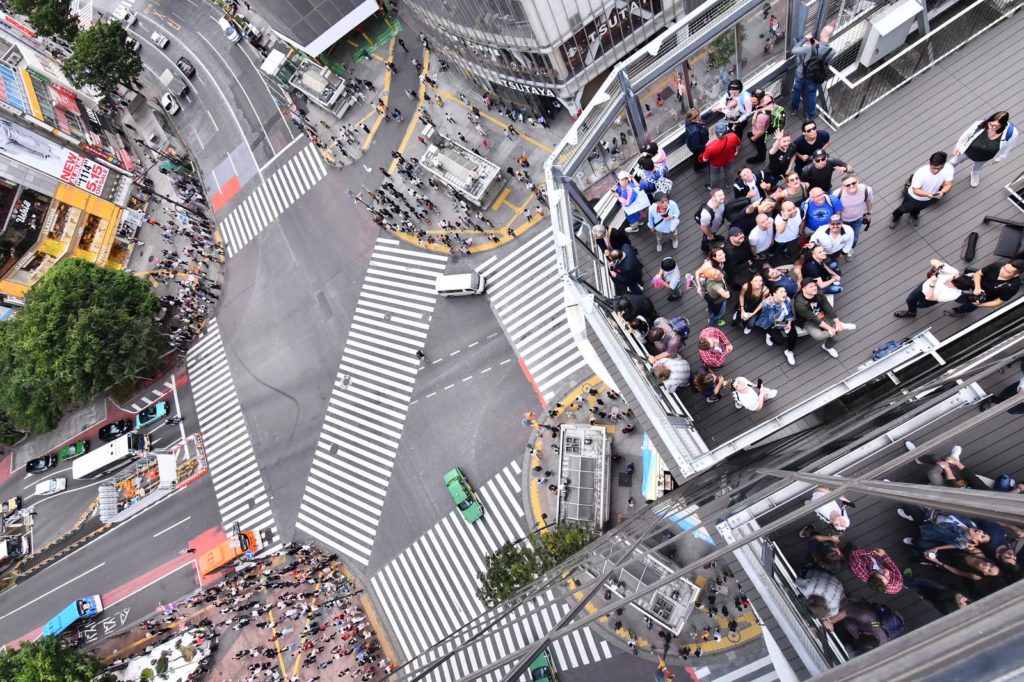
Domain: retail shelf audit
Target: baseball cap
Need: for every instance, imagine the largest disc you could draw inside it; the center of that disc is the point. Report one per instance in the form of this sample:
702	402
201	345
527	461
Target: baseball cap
1005	484
733	231
623	175
819	154
722	128
836	218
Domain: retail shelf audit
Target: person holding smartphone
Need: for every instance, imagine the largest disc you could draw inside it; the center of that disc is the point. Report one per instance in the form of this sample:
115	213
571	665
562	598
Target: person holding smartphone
929	184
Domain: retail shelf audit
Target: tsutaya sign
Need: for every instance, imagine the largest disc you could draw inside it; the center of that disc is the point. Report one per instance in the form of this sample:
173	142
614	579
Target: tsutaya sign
526	87
608	30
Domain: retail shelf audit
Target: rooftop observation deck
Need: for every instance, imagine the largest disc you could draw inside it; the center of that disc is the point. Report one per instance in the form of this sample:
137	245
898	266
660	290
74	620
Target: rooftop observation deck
885	145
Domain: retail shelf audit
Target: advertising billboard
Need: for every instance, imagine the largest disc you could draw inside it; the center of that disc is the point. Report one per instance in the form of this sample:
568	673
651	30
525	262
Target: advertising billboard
47	156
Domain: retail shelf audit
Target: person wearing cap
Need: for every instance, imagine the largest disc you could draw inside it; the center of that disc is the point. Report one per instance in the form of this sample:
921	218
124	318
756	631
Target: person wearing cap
819	172
928	185
669	277
819	209
663	220
811	141
736	104
817	317
835	238
631	198
719	155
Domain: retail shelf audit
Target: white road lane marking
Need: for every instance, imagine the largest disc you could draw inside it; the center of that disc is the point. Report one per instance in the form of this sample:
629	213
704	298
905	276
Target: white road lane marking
173	525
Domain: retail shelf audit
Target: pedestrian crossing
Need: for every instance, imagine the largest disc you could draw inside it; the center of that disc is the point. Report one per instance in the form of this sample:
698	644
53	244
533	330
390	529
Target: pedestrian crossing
237	482
527	296
270	199
761	670
153	396
429	591
349	478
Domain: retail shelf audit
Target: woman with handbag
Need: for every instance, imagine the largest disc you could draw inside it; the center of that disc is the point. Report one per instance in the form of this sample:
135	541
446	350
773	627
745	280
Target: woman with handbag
989	139
711	285
633	201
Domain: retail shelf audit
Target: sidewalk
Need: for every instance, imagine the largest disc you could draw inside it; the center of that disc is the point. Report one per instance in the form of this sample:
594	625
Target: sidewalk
721	621
292	614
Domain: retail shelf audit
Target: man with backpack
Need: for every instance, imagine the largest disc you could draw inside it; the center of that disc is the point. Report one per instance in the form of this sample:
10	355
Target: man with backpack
813	57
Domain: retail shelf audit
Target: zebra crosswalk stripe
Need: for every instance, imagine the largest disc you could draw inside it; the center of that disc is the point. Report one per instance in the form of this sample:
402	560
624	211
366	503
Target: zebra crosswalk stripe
527	296
366	413
429	591
237	482
268	201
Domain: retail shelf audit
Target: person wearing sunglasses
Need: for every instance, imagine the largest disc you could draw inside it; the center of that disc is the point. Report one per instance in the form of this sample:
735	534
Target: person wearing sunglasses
856	199
811	141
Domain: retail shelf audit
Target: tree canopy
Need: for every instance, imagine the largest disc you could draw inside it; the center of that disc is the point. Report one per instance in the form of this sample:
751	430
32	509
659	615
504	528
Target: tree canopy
49	17
100	57
83	328
517	564
48	660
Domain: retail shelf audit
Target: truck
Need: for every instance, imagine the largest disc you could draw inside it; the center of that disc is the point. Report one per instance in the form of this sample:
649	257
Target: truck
13	546
174	84
227	551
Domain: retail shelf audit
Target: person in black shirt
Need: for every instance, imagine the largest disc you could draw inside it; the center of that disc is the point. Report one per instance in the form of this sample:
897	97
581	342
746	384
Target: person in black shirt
819	172
738	259
991	287
780	156
631	306
811	141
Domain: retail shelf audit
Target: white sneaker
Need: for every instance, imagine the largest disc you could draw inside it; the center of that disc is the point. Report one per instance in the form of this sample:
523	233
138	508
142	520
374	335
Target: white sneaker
675	243
790	358
770	393
746	330
831	351
658	247
768	340
632	229
975	179
910	445
955	451
849	325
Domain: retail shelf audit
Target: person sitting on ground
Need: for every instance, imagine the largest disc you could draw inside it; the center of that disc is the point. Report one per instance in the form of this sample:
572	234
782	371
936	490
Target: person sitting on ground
673	373
714	347
665	340
817	317
948	470
948	529
876	568
751	395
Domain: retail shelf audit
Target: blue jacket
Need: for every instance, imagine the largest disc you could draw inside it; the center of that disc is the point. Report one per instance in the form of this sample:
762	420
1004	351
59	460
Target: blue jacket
774	314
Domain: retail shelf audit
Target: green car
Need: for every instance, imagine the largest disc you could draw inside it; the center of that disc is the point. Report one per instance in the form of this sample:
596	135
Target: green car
541	669
463	495
74	450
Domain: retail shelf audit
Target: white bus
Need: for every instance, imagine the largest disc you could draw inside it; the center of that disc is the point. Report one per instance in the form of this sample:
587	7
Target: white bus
108	458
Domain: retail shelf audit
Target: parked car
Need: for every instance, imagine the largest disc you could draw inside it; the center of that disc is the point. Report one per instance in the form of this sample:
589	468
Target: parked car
52	485
160	40
463	495
40	464
151	414
10	506
74	450
170	104
115	430
125	16
185	66
133	44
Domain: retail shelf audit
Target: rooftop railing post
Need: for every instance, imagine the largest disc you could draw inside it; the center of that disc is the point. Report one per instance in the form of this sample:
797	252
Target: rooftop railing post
634	113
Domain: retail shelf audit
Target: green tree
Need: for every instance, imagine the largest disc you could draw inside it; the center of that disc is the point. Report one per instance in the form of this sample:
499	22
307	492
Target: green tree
49	658
517	564
100	57
83	329
49	17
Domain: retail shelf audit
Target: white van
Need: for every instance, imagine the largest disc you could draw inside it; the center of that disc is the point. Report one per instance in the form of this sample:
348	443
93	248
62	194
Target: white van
51	486
465	284
230	32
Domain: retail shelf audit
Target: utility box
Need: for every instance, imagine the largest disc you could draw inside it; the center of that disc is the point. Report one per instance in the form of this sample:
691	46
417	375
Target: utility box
888	33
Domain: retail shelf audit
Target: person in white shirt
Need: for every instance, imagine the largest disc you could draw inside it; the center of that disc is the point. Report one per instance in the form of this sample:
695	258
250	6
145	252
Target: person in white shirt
749	395
938	288
856	198
833	513
928	184
672	372
762	237
787	229
836	238
663	219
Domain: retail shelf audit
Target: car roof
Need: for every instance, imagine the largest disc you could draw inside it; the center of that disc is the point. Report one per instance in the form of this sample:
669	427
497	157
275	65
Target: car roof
457	489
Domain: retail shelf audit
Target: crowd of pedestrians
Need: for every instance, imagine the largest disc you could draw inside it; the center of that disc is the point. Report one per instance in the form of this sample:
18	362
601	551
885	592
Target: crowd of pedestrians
305	609
778	233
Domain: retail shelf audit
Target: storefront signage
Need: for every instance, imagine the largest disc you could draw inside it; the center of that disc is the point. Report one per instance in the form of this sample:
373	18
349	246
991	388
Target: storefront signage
47	156
526	87
607	30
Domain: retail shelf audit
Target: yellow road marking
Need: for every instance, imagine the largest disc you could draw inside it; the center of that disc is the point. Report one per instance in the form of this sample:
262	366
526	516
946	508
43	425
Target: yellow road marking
415	114
385	97
277	641
501	198
483	114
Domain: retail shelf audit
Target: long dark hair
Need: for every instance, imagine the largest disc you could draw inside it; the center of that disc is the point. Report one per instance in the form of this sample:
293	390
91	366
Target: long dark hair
1002	117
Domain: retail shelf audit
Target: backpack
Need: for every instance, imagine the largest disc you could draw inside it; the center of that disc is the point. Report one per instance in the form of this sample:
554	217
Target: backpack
776	118
816	65
890	621
663	184
884	349
700	212
680	326
697	136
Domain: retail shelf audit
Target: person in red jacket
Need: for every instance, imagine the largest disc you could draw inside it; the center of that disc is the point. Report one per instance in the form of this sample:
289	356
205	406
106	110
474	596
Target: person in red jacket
719	155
